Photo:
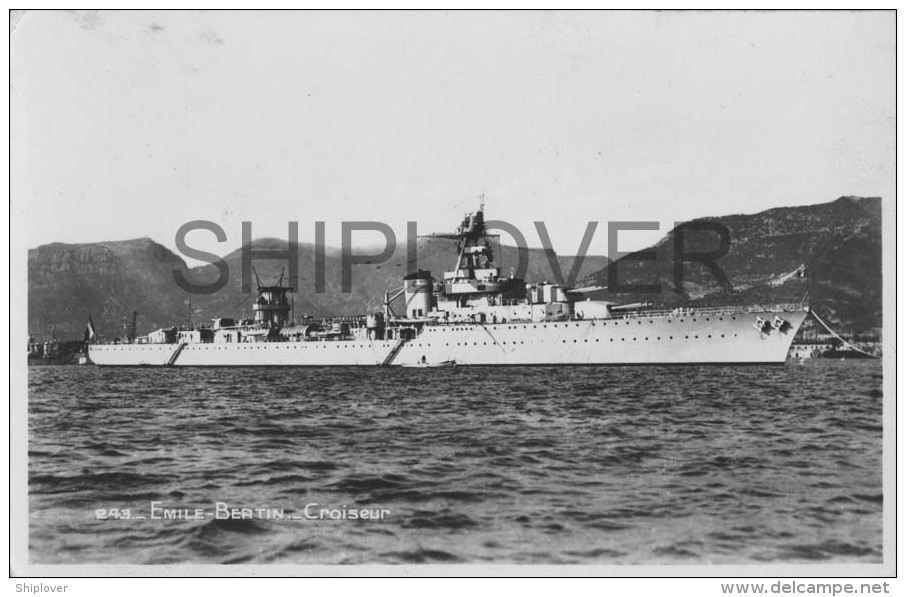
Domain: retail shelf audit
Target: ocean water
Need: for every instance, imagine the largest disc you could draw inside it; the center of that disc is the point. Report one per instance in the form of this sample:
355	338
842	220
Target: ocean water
587	465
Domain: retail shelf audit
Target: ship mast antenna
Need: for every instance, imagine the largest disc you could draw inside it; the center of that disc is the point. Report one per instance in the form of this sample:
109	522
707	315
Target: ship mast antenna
133	327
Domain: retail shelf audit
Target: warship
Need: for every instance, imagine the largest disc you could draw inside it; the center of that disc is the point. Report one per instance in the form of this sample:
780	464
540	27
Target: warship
474	315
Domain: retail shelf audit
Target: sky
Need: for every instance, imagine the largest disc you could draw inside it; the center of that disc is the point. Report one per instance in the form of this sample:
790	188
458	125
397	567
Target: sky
129	124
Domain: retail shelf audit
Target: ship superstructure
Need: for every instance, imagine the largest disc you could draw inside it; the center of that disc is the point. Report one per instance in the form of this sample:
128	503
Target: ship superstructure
474	315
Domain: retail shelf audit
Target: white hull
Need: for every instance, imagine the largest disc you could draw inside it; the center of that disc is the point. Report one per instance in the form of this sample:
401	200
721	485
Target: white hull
690	339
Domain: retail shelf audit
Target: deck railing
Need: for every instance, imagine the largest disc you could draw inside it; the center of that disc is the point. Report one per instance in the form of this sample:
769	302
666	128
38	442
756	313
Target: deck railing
707	311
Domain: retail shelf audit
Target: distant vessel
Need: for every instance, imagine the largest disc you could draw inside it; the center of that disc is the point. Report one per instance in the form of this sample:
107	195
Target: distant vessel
54	351
473	316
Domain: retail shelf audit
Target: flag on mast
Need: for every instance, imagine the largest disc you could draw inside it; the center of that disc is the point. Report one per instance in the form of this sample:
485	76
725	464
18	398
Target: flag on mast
89	330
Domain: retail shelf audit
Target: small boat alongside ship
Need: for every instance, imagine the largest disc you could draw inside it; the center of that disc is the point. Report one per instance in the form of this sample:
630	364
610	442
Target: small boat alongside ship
472	316
432	365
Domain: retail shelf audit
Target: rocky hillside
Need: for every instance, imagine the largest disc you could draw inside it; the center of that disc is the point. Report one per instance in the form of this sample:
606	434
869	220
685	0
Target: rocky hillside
108	280
839	243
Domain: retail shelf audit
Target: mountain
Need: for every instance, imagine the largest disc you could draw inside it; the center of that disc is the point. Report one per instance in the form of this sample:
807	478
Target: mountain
838	243
107	279
111	279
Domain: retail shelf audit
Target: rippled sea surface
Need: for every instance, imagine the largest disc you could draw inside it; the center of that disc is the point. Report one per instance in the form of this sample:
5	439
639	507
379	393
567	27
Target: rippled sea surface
588	465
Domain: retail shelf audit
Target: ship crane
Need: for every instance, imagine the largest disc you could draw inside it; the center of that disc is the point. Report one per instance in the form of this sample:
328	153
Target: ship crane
388	311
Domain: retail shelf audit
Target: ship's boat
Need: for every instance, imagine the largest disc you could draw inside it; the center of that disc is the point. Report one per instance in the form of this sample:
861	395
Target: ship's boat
431	365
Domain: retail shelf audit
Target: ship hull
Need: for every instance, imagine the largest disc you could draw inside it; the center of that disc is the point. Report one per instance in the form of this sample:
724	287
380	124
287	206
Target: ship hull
728	338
